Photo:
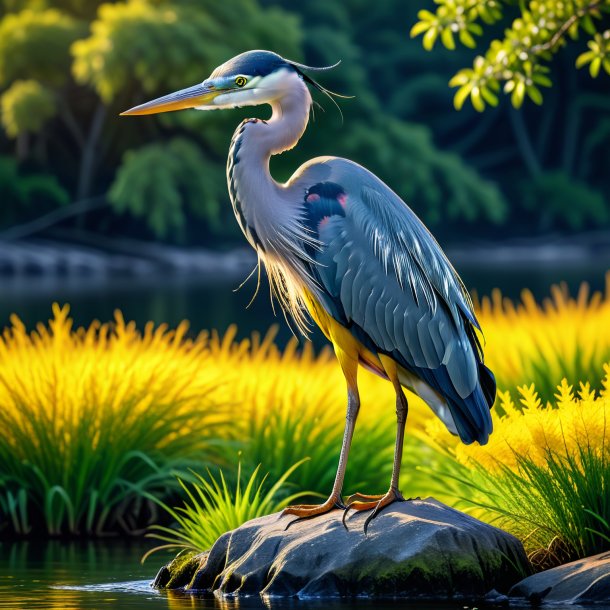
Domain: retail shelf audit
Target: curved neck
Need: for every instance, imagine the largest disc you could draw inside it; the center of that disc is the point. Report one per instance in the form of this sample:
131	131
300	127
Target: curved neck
289	118
254	193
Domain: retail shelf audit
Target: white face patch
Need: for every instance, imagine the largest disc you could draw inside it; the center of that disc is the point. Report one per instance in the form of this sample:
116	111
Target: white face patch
258	90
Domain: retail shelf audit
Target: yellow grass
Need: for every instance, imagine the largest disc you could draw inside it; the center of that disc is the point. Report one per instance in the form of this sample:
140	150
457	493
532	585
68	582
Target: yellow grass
543	343
532	429
275	407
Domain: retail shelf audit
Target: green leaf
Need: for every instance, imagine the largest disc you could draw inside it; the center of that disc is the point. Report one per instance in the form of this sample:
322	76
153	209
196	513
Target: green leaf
425	15
585	58
542	80
430	38
419	28
447	39
588	25
36	45
160	181
461	78
26	107
518	94
490	97
467	40
534	94
476	99
595	66
158	45
460	96
475	28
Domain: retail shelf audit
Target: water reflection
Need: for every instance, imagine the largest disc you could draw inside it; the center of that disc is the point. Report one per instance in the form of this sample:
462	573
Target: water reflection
108	574
216	304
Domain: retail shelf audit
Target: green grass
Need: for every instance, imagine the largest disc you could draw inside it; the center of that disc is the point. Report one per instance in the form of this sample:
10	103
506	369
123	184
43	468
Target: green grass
560	509
213	507
278	438
93	475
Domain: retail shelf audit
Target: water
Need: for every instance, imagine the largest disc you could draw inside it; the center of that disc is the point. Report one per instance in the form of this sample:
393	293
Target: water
108	574
217	304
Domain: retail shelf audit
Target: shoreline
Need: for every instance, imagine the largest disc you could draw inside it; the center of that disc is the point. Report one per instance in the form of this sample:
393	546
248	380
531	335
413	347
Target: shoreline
100	257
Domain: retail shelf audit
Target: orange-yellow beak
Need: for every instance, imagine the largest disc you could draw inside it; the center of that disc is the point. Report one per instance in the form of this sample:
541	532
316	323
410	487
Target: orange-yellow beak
193	97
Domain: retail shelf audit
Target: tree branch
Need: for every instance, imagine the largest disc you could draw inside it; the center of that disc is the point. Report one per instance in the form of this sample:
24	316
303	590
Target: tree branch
48	220
89	152
558	35
72	125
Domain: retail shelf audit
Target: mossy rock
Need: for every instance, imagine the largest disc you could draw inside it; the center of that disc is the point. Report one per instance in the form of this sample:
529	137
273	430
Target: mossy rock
180	572
419	549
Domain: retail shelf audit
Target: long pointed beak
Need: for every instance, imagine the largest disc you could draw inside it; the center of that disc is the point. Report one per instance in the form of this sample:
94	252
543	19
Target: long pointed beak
198	95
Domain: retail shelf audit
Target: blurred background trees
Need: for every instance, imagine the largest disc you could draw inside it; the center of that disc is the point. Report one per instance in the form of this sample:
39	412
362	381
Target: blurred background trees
68	67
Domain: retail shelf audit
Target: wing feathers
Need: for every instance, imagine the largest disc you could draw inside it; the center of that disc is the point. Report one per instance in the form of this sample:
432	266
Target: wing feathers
399	293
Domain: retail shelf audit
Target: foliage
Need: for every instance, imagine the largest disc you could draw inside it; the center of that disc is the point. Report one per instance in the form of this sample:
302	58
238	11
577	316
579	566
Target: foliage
93	61
92	419
557	193
542	343
110	56
598	54
436	183
26	106
20	190
35	44
518	59
157	181
545	471
212	509
160	44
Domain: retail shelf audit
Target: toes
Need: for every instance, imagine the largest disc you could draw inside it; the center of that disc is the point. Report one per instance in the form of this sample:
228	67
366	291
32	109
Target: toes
358	497
377	505
305	511
358	507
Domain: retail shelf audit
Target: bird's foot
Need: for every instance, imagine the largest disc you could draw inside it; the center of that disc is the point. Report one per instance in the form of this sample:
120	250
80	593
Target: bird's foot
358	497
376	504
307	511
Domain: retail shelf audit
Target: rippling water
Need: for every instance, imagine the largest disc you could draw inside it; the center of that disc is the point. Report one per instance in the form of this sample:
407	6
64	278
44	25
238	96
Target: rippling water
108	574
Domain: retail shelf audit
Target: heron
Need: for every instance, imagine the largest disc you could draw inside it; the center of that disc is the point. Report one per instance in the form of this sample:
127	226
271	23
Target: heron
343	249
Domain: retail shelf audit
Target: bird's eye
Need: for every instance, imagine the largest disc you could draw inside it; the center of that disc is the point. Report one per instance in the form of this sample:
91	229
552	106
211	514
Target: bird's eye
240	81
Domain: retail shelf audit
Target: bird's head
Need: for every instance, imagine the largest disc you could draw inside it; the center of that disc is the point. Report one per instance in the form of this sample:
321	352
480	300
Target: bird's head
249	79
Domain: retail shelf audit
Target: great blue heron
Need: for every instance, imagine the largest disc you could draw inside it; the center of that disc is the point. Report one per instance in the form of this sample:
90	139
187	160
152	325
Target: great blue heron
338	243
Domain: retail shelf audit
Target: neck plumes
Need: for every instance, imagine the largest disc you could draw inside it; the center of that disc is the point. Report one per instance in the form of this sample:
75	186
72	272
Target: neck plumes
271	214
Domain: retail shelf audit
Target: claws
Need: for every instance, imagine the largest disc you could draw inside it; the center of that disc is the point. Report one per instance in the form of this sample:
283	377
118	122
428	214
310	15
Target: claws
377	504
357	502
303	512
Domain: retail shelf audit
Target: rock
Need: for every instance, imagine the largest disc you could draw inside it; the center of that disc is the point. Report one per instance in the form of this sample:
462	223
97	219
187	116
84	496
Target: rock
416	549
582	581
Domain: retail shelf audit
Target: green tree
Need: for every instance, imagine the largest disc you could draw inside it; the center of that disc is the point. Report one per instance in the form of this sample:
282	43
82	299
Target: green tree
18	190
65	73
518	59
549	159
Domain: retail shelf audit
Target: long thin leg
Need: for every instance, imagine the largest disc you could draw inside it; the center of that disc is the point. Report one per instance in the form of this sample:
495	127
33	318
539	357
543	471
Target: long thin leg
303	511
402	410
377	503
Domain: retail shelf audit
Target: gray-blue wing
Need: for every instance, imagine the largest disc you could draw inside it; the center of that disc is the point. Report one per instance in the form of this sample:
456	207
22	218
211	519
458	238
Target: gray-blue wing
383	276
